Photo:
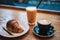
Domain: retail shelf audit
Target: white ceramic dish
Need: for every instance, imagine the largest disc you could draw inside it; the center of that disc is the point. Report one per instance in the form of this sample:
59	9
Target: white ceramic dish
6	15
5	34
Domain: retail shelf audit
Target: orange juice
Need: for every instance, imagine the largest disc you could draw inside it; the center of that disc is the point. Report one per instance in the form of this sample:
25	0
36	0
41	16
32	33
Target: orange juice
31	14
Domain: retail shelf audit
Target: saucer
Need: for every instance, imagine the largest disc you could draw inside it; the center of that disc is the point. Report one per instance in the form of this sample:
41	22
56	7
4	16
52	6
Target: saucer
49	33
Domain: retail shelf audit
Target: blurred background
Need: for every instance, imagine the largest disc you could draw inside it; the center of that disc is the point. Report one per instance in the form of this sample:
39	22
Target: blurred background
45	4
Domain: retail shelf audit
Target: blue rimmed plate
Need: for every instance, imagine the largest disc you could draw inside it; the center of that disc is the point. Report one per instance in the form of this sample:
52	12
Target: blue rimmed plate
49	33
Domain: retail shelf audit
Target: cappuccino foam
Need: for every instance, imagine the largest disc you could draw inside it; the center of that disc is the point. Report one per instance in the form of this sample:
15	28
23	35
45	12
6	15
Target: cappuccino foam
44	22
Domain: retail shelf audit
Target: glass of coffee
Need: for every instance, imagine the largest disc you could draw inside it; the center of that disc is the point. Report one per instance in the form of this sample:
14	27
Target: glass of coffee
31	14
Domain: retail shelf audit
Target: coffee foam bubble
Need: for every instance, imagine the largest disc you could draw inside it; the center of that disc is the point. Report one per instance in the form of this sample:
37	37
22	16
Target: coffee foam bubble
31	8
44	22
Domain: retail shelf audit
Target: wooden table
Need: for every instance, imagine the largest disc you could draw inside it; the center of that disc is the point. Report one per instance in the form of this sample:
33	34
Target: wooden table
54	18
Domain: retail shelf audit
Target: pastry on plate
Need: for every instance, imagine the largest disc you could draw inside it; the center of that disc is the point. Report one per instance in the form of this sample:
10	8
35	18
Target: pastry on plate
13	26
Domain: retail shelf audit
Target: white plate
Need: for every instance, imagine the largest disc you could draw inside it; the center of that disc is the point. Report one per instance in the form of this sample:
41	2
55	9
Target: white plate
5	34
6	15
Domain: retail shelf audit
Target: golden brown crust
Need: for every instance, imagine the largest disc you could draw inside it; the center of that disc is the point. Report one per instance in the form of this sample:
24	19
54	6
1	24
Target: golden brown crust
13	26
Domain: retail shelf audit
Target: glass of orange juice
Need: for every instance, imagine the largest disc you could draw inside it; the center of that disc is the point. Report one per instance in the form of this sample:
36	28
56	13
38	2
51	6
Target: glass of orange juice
31	14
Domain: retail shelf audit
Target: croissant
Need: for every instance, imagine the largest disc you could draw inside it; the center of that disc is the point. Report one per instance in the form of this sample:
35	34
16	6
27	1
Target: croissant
13	26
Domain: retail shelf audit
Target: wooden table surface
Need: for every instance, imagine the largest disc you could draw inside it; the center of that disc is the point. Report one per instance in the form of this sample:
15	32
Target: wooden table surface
54	18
